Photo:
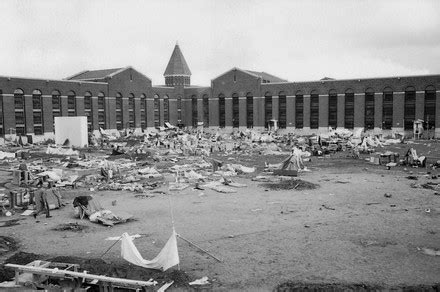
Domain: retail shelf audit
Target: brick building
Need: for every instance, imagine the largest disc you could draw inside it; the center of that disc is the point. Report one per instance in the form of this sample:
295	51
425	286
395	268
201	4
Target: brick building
115	99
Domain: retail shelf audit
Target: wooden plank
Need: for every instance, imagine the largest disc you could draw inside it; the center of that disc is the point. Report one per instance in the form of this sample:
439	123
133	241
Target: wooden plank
64	273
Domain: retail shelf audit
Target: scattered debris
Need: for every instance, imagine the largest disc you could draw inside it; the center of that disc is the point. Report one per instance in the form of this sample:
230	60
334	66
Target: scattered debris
327	207
88	206
201	281
428	186
429	251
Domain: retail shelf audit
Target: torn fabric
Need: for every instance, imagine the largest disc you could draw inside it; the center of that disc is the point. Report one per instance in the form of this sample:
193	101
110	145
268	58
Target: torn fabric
167	258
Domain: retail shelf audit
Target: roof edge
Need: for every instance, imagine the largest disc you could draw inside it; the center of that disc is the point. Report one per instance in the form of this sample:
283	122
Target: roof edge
54	80
236	68
77	74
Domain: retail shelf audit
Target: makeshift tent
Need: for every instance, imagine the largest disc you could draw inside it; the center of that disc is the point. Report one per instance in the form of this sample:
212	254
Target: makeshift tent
294	161
167	258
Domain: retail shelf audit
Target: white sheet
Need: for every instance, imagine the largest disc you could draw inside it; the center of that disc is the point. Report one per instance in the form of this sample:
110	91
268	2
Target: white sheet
167	258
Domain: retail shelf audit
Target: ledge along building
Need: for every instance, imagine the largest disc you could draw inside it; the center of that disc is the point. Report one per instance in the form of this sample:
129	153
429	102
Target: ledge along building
123	98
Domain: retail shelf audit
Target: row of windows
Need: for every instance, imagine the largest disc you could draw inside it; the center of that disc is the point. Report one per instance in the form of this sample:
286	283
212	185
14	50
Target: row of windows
369	110
19	91
37	110
349	90
166	112
369	107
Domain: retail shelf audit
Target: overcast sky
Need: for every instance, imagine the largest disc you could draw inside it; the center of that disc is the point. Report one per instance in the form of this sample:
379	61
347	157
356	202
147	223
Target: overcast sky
295	40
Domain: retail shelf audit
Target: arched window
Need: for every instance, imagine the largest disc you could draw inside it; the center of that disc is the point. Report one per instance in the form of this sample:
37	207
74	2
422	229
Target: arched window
37	112
19	99
221	111
430	111
156	111
131	111
409	112
235	111
179	110
56	104
387	109
267	109
282	110
36	100
143	111
299	110
349	109
205	110
2	130
429	116
333	108
87	101
101	110
88	110
194	111
71	103
119	116
369	109
166	109
314	109
20	118
249	110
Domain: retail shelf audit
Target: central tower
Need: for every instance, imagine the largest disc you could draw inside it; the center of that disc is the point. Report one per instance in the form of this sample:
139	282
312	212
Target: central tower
177	71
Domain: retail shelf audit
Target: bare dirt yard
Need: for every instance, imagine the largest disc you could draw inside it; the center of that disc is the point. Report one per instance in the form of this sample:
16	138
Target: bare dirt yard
345	234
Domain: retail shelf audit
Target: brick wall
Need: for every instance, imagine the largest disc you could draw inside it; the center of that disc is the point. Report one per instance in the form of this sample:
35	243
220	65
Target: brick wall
235	81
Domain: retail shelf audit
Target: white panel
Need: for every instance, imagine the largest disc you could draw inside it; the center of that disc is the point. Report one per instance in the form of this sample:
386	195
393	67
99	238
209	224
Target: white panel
72	128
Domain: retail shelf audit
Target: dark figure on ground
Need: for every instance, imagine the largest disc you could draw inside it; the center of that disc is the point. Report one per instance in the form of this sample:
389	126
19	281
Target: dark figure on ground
41	203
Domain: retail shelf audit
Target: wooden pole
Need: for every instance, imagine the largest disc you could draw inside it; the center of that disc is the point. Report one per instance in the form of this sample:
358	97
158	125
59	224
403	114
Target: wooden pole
198	247
172	214
116	241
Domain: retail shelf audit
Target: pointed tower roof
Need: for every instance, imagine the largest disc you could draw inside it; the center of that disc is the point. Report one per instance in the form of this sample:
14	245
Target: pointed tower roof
177	64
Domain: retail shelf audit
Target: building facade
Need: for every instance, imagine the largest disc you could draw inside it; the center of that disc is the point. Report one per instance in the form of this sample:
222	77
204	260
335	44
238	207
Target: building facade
116	99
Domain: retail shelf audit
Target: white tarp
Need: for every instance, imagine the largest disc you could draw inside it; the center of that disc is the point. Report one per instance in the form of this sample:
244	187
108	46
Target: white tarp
72	128
4	155
167	258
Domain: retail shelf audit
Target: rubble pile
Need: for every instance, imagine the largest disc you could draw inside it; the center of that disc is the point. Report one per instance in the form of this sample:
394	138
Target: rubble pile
171	160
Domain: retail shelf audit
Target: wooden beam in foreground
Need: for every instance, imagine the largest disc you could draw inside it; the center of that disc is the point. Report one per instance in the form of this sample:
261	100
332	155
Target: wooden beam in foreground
62	273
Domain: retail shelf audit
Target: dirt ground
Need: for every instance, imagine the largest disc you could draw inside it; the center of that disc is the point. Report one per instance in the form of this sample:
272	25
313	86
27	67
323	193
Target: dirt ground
345	232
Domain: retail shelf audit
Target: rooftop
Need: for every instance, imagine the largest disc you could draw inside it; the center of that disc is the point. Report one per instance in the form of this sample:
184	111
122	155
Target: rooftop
94	74
177	64
267	77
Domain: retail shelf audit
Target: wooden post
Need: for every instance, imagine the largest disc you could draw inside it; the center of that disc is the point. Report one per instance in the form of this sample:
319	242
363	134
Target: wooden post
198	247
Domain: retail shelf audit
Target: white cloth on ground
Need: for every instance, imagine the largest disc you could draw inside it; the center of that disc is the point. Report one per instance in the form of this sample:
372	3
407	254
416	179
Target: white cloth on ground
167	258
